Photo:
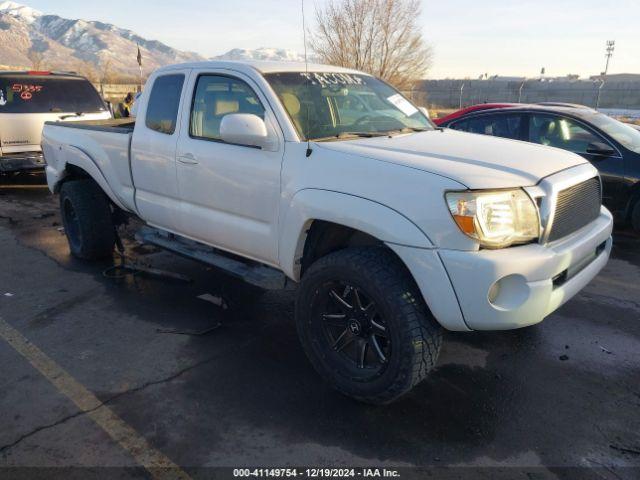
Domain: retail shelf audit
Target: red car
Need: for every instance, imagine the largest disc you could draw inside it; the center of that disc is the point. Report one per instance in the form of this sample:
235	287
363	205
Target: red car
473	108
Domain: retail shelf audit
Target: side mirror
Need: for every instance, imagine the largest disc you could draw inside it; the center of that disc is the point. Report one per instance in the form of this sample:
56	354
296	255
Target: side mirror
601	149
244	129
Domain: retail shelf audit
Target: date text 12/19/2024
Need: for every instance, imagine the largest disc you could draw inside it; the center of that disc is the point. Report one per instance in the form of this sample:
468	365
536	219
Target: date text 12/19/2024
315	473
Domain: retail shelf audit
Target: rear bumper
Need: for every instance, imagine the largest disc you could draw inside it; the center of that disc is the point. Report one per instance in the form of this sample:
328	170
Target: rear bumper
15	162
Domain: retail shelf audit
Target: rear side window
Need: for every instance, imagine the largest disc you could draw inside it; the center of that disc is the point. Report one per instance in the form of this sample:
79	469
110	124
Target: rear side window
462	125
505	126
164	101
48	94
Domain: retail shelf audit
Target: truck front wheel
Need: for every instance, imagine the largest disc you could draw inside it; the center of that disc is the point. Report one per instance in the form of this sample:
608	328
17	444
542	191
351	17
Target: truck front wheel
364	325
87	219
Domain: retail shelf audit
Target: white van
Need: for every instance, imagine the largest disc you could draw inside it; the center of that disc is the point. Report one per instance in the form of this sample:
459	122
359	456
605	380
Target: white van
27	100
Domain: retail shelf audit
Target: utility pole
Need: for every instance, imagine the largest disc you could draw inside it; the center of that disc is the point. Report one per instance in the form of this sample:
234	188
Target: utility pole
611	46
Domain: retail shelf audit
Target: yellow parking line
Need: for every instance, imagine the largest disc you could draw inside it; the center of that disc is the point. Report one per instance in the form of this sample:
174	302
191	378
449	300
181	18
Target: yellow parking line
158	465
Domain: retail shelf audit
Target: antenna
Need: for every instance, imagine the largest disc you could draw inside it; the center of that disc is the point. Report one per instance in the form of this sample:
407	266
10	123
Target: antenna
306	67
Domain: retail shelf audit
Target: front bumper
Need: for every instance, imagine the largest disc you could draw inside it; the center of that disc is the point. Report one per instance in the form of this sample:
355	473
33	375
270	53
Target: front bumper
22	161
512	287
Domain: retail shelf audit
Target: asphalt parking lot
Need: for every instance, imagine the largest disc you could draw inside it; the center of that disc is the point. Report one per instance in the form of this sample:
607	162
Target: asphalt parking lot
103	372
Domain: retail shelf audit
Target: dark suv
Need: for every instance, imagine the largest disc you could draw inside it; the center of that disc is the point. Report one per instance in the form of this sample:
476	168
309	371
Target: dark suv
611	146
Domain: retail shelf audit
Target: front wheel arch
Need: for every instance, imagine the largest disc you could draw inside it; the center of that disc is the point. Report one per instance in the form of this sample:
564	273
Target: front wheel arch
310	206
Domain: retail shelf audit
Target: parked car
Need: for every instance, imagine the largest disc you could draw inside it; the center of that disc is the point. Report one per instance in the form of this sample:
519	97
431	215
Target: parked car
611	146
27	100
392	229
473	108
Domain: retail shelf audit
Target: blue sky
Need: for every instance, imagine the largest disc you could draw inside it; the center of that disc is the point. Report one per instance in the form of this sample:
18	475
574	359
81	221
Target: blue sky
469	37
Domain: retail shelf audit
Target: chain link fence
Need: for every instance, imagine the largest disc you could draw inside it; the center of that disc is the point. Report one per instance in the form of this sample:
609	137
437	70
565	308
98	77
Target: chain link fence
449	94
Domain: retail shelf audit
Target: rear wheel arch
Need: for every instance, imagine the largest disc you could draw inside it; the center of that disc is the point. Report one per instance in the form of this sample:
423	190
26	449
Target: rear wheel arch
79	165
75	173
87	217
71	172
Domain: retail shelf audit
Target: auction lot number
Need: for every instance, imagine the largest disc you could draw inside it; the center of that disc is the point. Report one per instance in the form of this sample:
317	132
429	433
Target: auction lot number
315	473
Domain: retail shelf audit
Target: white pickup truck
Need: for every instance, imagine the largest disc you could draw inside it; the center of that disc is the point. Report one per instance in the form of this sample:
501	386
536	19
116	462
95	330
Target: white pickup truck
393	229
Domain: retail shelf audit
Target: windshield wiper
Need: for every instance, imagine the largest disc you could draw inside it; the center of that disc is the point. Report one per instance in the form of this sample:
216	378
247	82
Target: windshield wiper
345	135
77	114
407	130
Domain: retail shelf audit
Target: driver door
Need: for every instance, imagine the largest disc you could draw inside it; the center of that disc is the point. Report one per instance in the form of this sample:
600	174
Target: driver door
229	193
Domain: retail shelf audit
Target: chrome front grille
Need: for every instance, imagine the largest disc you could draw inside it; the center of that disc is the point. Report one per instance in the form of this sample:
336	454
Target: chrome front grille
575	207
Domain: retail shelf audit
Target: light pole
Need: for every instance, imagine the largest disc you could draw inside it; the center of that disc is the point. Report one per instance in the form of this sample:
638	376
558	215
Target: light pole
611	46
520	90
599	91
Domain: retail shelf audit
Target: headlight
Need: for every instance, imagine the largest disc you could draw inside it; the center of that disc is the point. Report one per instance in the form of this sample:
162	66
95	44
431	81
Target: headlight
496	219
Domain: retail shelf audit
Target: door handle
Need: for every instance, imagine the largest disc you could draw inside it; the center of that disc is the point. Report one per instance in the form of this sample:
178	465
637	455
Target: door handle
188	159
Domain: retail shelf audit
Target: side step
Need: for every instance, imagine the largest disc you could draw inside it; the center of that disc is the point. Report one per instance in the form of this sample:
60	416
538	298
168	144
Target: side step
251	272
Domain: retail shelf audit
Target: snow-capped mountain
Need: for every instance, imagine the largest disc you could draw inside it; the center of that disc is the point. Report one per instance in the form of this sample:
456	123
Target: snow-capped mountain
32	39
269	54
28	14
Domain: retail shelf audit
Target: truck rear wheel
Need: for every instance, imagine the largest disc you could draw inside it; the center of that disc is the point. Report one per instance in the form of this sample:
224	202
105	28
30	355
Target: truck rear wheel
87	219
364	325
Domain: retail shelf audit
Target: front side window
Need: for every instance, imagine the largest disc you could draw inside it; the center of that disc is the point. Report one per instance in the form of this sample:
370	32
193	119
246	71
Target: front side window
560	132
628	136
216	96
164	101
325	105
505	126
48	94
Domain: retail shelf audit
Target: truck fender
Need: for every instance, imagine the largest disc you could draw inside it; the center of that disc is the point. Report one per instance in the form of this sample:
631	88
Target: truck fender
77	157
368	216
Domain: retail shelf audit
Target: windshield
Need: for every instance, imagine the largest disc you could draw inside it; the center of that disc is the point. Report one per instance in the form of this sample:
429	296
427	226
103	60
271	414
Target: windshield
330	105
43	94
625	134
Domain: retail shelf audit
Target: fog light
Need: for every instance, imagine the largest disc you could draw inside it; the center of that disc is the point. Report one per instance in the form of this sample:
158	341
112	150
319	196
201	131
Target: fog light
509	292
494	291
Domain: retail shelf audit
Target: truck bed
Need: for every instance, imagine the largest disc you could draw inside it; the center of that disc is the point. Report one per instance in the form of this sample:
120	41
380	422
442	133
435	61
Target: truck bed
100	147
114	125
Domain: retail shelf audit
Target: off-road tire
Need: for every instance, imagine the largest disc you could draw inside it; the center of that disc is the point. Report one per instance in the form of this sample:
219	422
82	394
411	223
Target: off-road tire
87	219
416	335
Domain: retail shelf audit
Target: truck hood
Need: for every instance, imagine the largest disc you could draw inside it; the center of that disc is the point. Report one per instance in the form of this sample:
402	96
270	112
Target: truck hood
476	161
22	132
